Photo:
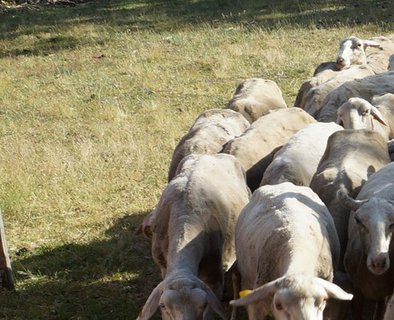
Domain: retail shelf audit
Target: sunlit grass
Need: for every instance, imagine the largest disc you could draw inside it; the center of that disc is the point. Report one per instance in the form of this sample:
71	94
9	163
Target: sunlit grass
93	100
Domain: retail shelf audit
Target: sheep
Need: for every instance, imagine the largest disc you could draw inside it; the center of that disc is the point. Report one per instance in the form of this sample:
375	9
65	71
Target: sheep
351	156
391	63
193	236
389	313
211	130
255	97
351	53
369	249
298	159
256	146
378	60
358	113
315	96
365	88
286	246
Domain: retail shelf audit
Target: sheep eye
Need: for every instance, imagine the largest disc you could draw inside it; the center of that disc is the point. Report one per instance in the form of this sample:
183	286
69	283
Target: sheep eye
358	44
162	306
278	306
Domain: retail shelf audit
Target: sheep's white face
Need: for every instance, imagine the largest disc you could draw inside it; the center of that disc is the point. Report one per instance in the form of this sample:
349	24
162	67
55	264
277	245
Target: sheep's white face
351	51
289	305
186	304
375	222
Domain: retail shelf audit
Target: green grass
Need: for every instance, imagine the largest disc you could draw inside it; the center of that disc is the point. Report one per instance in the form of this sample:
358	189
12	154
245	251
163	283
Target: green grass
93	100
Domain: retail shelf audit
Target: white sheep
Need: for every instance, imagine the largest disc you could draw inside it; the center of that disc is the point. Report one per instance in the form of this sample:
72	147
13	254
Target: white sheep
314	98
255	97
298	159
210	131
193	236
351	53
379	60
358	113
370	246
255	147
366	88
286	247
350	158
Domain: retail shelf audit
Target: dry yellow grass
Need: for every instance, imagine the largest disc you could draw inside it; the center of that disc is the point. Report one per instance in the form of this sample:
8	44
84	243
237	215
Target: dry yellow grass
93	100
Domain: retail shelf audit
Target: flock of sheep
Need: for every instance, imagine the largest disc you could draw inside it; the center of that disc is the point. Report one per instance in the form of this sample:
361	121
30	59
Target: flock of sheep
296	203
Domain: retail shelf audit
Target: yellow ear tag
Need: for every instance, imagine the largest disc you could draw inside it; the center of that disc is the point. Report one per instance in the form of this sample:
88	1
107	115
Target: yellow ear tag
244	293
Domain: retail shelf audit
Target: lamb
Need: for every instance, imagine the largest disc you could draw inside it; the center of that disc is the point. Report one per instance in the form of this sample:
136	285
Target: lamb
298	159
256	146
351	53
358	113
366	88
211	130
367	256
286	247
255	97
193	236
351	156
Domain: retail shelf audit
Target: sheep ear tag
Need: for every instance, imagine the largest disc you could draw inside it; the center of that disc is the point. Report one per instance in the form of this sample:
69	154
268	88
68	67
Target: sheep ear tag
244	293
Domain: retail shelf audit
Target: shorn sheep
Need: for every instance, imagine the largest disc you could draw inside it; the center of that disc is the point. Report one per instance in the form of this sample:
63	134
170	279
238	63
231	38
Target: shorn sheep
370	247
255	147
292	163
211	130
286	248
350	158
193	236
352	52
255	97
377	115
366	88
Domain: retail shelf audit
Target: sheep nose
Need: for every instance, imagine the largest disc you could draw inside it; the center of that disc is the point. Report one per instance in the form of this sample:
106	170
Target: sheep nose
379	264
340	60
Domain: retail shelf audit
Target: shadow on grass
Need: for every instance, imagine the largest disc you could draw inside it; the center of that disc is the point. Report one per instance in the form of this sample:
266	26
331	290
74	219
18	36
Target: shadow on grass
100	280
160	16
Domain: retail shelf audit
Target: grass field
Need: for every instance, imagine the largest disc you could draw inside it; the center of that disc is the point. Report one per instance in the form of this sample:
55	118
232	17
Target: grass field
94	98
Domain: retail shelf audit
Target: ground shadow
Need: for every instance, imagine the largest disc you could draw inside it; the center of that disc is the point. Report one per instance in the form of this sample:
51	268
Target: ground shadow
79	278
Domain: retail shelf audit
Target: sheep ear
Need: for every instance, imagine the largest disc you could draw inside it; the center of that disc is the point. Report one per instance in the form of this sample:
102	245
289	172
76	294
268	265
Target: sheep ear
334	291
377	115
371	43
256	295
214	303
152	303
349	202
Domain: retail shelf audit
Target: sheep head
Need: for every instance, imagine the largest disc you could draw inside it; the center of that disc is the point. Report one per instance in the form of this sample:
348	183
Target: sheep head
352	51
182	299
295	297
375	223
358	113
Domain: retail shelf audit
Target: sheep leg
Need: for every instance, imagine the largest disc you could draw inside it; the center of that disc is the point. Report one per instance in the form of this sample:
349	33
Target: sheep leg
379	310
236	280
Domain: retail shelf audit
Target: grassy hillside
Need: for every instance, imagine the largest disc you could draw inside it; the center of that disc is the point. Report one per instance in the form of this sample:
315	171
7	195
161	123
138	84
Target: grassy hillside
94	98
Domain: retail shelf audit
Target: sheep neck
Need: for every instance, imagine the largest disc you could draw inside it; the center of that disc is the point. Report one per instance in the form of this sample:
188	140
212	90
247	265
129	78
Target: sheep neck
187	249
